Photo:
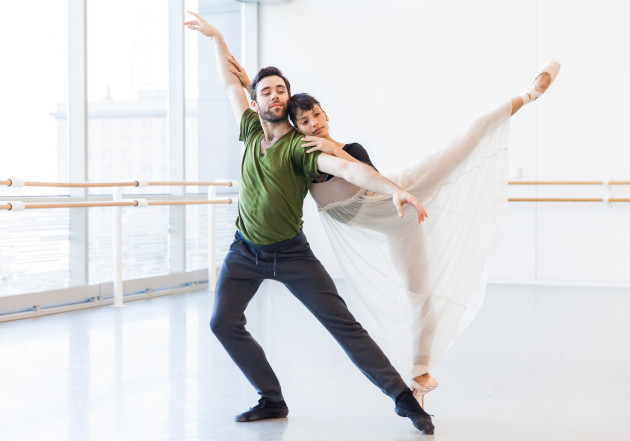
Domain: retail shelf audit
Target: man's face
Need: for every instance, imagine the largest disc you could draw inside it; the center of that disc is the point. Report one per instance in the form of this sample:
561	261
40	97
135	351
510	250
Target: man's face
272	99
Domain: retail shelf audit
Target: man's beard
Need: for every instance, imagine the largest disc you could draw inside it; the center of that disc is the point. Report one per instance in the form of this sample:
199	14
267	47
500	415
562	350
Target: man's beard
269	116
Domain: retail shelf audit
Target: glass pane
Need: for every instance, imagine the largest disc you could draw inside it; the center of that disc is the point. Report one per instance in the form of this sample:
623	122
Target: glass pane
35	250
34	91
127	91
145	242
226	216
196	237
197	233
144	239
127	129
100	245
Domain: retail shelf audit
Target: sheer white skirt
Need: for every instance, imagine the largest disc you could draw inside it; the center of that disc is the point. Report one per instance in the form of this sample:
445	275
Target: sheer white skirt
420	285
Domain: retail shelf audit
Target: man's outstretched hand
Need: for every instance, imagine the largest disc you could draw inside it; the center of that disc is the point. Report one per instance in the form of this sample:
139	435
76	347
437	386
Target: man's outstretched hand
231	83
201	25
402	197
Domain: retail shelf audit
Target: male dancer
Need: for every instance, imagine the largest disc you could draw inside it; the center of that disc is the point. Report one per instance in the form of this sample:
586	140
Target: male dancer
275	175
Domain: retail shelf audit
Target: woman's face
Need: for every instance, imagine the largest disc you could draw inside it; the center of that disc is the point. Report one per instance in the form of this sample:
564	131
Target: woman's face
312	122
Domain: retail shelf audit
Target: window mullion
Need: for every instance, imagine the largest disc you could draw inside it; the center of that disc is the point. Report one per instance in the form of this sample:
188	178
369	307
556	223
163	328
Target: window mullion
176	135
77	137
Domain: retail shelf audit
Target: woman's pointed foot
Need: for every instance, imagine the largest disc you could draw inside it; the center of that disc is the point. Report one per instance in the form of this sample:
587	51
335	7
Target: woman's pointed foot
422	385
545	76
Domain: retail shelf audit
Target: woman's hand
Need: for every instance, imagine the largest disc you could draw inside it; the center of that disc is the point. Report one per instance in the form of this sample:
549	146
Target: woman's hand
239	71
321	144
402	197
201	25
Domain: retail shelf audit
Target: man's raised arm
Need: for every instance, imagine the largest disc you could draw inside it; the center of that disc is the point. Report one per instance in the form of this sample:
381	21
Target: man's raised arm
364	176
232	85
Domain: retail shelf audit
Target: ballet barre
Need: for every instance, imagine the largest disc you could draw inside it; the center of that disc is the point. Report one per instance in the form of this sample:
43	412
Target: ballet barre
569	200
18	206
18	183
139	183
569	182
118	202
606	183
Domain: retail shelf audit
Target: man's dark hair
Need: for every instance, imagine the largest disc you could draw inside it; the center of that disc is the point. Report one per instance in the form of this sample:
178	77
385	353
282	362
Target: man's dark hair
303	102
268	71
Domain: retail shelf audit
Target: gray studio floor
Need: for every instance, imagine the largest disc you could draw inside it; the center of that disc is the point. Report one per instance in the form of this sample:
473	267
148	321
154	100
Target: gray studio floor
537	364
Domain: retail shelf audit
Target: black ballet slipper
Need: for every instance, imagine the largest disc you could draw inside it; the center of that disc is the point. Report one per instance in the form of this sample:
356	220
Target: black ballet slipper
264	410
407	406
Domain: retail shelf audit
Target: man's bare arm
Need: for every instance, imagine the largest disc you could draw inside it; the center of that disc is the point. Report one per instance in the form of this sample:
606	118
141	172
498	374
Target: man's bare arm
364	176
231	83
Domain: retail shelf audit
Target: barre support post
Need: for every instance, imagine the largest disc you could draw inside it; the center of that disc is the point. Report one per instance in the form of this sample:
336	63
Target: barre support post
117	247
212	246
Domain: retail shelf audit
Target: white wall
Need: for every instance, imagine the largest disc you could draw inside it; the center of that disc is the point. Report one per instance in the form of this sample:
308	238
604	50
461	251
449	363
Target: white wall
403	77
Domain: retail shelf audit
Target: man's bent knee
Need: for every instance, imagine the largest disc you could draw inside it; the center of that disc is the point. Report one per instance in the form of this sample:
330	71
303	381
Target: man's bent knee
225	325
219	325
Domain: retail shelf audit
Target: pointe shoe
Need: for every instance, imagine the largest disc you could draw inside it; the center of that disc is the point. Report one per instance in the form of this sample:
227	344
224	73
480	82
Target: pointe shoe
420	390
550	68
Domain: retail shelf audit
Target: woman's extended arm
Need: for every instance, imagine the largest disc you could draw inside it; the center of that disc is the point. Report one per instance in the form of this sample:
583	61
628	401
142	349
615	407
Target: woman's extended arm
239	71
364	176
326	146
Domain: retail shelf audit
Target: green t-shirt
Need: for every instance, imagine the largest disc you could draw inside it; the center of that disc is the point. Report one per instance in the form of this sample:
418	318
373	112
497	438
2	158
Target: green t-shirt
273	185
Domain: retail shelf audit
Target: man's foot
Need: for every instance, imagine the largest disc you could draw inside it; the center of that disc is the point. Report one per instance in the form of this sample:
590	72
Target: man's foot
421	385
264	410
542	81
407	406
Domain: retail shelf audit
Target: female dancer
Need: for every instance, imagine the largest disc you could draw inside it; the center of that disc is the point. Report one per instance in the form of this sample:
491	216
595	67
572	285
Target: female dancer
419	285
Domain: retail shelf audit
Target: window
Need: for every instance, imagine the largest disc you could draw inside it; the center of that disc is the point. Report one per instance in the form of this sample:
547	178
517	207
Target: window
34	90
128	46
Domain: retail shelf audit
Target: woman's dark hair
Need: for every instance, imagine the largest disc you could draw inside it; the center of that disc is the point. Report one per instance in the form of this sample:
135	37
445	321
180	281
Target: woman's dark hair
268	71
303	102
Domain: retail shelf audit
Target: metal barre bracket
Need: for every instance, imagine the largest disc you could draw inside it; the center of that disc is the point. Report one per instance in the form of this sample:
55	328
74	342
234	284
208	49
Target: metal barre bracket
17	206
16	183
607	191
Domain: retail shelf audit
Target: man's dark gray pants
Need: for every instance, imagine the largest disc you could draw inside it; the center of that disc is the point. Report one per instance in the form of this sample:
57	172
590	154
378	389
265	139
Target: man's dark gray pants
293	263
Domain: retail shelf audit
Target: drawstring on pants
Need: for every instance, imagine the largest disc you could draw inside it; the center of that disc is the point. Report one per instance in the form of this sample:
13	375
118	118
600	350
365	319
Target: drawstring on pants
274	264
275	261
